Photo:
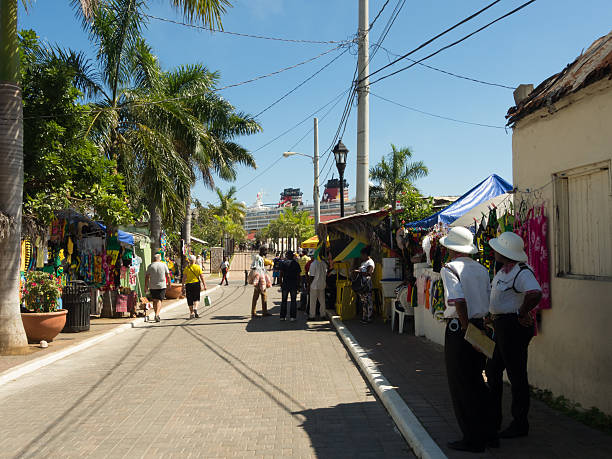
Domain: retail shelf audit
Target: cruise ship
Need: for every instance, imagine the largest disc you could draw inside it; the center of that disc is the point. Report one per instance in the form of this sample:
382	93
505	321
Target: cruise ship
259	215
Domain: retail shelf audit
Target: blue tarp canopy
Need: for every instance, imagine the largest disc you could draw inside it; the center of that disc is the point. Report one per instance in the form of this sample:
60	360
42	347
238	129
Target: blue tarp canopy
122	236
489	188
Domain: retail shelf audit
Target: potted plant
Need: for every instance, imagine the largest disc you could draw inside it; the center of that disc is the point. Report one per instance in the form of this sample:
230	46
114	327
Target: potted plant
43	320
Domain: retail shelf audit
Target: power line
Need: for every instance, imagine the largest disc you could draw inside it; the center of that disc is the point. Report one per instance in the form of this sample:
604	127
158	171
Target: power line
299	123
437	116
349	103
469	18
303	82
378	15
246	35
450	45
233	85
290	129
446	71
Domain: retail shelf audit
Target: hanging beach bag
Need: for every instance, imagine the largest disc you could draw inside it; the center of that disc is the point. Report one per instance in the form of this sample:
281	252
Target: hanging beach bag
252	275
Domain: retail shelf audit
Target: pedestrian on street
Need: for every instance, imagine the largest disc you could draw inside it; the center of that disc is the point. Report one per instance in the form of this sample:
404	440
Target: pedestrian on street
302	260
276	269
317	274
365	270
193	280
514	293
259	288
290	269
466	293
157	279
224	269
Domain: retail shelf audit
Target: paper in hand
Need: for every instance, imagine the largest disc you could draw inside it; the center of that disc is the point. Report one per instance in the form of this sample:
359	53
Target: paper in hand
476	337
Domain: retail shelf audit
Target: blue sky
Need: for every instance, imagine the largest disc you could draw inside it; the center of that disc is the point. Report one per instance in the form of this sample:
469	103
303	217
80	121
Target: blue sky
527	47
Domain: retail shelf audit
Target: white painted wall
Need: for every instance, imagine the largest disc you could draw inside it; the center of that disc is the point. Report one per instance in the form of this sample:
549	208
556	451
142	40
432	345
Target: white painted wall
572	355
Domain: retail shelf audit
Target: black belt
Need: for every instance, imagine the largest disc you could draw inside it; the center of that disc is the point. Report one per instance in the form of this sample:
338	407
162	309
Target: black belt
504	316
454	325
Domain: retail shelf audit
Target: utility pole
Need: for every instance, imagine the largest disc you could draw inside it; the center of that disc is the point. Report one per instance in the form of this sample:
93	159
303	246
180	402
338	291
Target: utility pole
315	194
363	111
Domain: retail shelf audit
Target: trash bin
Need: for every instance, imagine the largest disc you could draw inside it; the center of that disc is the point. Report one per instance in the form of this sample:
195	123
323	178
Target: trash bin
76	298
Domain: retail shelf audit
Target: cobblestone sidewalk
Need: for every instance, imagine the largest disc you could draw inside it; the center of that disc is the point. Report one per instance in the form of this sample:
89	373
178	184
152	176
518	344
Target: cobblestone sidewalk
219	386
416	367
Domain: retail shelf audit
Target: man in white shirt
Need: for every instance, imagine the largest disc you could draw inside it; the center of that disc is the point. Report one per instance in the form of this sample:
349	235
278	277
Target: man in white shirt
514	293
318	276
466	293
157	279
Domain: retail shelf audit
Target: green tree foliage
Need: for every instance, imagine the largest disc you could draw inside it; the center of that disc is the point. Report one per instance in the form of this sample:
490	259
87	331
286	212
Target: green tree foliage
413	205
290	224
62	167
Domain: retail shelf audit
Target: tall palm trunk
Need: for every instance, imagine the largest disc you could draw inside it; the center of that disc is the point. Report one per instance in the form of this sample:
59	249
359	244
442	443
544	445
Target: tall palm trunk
186	229
12	334
154	229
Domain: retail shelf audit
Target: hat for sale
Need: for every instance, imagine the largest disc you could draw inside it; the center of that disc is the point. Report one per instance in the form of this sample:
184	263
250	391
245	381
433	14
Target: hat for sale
460	239
510	245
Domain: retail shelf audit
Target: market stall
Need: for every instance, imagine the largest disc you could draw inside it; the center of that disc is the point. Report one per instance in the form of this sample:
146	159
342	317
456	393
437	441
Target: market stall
99	268
487	210
346	237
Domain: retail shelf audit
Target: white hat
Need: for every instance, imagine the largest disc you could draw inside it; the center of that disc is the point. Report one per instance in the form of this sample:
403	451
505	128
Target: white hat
510	245
459	239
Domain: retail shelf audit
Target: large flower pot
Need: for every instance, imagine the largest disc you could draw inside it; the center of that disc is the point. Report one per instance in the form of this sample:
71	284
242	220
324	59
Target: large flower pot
43	325
174	291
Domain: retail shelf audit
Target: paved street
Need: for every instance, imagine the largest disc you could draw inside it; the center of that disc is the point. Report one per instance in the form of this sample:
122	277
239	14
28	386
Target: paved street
219	386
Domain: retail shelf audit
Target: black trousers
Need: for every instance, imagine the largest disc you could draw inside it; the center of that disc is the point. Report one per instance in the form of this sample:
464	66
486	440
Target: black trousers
511	342
469	393
304	300
293	310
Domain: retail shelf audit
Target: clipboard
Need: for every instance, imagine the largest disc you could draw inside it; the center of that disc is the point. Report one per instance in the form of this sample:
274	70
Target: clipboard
476	337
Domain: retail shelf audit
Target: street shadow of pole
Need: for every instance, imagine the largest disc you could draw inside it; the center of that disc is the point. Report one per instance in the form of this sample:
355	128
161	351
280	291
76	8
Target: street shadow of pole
60	425
349	430
360	429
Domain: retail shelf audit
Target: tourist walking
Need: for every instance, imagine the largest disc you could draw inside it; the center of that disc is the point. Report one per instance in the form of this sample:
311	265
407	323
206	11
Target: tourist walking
157	279
290	269
224	269
514	293
466	293
193	280
276	269
317	273
302	260
259	286
364	296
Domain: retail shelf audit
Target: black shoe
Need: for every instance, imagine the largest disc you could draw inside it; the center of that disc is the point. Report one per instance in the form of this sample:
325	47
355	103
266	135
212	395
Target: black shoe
462	445
310	319
195	313
514	432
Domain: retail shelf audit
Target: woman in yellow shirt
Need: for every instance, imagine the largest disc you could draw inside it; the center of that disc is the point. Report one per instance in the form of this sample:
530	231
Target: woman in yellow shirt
192	277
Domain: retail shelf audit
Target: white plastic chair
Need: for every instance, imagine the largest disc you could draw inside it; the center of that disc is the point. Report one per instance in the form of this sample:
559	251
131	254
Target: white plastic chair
402	299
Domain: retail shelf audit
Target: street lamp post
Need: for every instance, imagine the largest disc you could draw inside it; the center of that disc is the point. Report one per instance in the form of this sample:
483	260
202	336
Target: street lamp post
315	161
340	152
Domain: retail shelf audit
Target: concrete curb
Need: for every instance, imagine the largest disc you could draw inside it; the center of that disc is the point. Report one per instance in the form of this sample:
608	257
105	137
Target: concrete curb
413	431
33	365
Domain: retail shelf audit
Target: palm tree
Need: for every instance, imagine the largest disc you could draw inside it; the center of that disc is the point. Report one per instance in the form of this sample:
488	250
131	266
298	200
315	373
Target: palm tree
394	174
228	209
12	335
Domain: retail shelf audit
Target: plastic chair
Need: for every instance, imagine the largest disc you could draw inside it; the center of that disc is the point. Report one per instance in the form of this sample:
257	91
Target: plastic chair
399	308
